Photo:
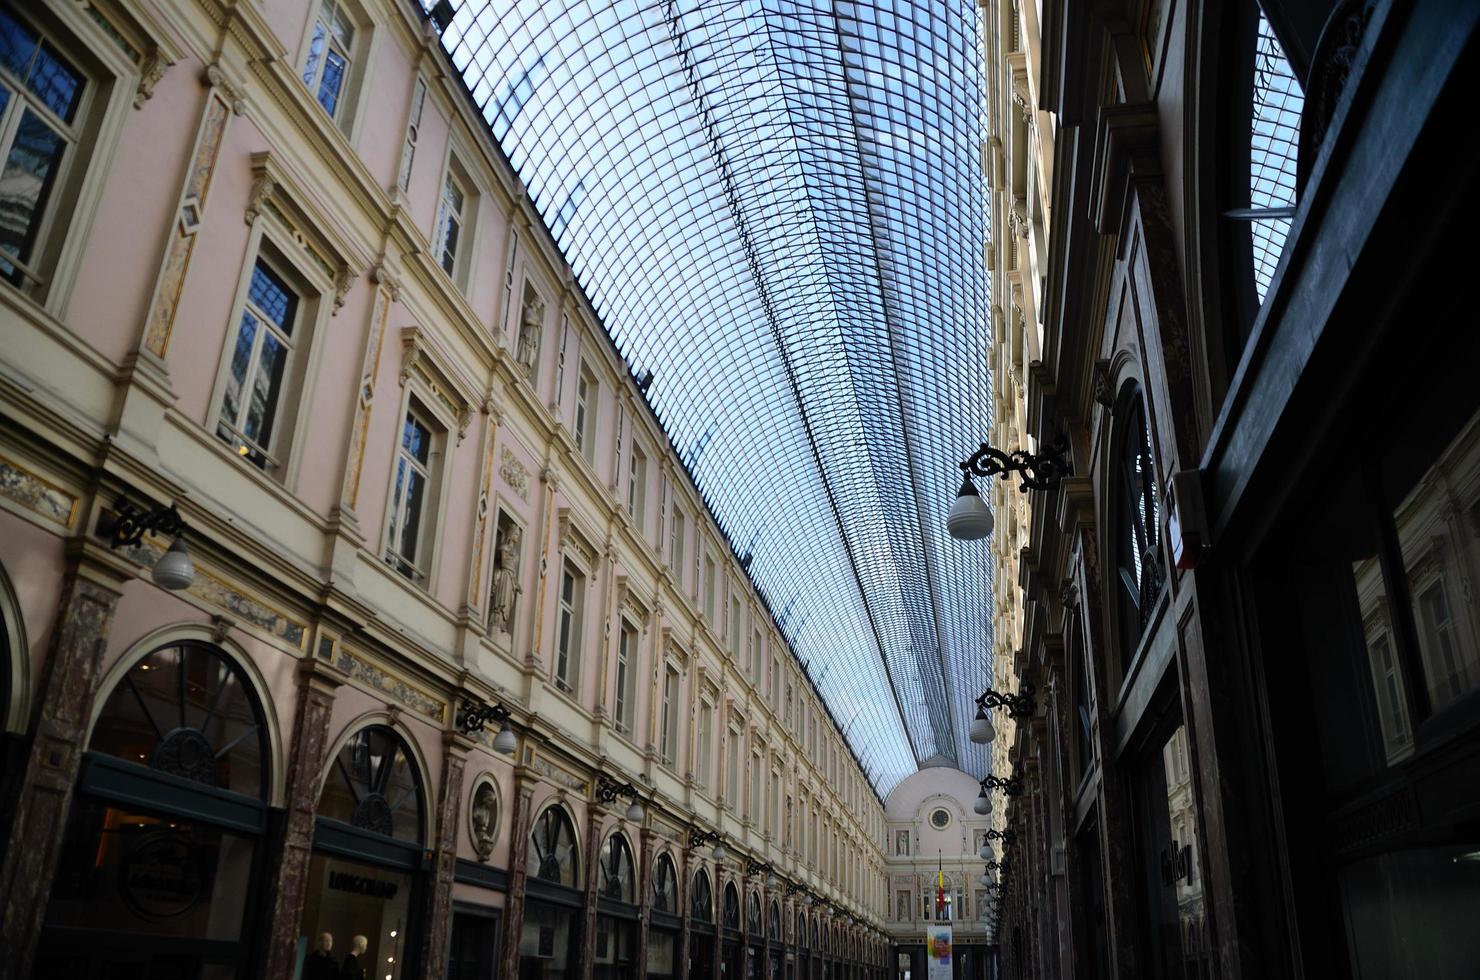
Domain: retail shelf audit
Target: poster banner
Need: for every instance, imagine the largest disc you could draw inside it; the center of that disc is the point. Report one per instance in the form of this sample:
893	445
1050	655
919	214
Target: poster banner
938	952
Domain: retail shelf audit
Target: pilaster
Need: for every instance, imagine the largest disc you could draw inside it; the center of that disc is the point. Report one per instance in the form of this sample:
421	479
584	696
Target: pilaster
45	784
438	927
519	823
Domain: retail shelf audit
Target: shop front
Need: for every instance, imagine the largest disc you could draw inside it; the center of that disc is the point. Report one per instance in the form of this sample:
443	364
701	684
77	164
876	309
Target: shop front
161	871
550	939
702	938
616	912
665	926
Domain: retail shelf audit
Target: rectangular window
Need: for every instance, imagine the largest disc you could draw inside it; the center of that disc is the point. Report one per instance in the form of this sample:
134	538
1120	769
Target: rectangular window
775	825
737	627
626	672
709	591
637	487
666	744
413	131
259	366
452	216
706	744
413	496
40	92
757	653
732	767
675	548
1448	672
330	56
568	628
753	805
585	431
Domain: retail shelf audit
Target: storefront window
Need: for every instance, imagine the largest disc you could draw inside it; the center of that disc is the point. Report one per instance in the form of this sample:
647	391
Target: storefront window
360	907
549	941
1173	888
1139	575
551	935
165	888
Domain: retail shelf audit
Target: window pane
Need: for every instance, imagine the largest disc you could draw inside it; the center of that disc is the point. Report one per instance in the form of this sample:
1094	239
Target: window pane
416	439
334	67
272	297
315	53
236	378
18	44
266	386
29	171
56	83
415	498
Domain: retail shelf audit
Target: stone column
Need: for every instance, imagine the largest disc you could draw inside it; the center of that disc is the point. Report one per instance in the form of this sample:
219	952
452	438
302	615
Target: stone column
685	910
48	775
434	941
317	682
587	962
519	824
648	849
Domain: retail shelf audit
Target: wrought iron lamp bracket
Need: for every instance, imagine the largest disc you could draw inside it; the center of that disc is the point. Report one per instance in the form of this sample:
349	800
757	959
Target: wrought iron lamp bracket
608	791
129	524
1007	837
1019	705
698	838
1011	785
1036	471
473	716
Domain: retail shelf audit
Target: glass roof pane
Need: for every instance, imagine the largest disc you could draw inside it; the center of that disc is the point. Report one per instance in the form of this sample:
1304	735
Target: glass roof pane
1274	144
776	206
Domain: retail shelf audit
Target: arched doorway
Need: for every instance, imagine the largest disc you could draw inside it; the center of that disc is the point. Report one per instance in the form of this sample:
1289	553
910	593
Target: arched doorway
162	865
551	936
664	924
701	927
616	911
364	877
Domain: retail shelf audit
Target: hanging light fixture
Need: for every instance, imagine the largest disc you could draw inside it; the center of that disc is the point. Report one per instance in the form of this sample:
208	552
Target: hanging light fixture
982	731
506	742
635	812
970	519
987	854
720	851
128	524
983	803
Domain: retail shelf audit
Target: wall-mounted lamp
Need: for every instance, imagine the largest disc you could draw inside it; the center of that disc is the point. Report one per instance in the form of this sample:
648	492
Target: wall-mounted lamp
699	838
970	518
472	716
1011	786
129	524
608	792
1020	705
1007	837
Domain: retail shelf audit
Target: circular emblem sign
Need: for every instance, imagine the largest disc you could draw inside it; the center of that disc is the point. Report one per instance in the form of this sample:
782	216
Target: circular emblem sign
160	874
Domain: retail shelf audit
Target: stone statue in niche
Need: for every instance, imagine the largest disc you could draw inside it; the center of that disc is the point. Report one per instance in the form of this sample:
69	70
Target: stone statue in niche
531	326
506	586
481	816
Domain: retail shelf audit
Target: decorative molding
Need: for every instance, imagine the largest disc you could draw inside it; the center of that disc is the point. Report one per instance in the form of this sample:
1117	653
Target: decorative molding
152	69
359	433
423	359
214	77
558	775
377	678
159	325
36	494
513	473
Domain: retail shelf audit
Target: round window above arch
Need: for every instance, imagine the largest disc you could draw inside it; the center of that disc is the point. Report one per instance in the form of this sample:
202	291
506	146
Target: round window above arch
940	818
188	710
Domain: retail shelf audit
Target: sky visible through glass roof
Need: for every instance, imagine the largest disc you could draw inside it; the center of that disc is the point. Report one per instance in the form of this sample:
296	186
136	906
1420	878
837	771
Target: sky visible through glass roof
777	207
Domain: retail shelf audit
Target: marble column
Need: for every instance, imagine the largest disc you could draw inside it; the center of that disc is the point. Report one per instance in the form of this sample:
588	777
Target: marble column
438	928
648	852
317	683
519	822
592	849
686	866
48	775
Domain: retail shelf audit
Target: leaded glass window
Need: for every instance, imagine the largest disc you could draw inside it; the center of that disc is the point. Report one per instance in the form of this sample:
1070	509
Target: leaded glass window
702	901
665	885
552	848
1138	525
373	785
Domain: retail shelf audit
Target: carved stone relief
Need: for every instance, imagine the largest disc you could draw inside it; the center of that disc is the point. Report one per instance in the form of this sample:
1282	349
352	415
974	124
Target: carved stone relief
531	327
506	588
483	818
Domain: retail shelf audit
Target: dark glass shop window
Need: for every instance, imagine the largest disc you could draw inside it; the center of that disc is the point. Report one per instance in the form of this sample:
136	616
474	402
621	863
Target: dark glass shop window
1139	570
472	952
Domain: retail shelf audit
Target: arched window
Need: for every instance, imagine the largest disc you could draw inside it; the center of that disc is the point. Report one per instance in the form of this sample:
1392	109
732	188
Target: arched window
1137	526
166	834
1263	103
617	880
665	885
702	902
753	914
732	906
552	848
773	926
373	786
187	711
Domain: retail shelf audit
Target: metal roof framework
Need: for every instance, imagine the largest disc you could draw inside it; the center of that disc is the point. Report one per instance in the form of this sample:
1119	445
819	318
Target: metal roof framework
777	207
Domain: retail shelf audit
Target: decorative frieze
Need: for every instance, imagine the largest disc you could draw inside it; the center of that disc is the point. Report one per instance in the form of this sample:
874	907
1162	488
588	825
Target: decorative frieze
514	473
366	673
40	496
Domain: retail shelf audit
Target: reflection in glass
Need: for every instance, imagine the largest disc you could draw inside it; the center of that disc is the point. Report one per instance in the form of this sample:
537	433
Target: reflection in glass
347	899
372	786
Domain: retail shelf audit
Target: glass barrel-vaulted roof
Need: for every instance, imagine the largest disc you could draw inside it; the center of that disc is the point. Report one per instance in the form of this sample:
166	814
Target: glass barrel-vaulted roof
777	208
